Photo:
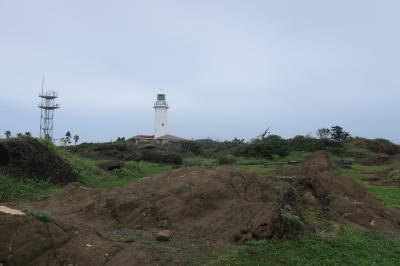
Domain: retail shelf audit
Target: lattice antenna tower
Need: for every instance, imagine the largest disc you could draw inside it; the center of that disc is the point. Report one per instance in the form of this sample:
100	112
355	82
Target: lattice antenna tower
47	106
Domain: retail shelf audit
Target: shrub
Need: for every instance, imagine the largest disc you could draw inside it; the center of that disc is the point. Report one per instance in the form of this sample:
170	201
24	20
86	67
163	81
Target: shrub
174	158
162	224
192	147
130	169
41	215
292	220
13	188
227	159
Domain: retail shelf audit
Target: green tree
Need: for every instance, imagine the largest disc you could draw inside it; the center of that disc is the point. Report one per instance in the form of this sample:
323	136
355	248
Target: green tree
8	134
68	136
76	139
338	134
28	134
19	135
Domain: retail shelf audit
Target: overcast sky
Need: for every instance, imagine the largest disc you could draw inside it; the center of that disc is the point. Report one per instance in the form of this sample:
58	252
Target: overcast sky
229	68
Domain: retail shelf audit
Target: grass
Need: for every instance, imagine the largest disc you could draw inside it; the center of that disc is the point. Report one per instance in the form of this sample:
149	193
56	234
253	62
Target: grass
349	248
13	188
92	176
41	215
390	195
88	175
360	151
198	161
127	239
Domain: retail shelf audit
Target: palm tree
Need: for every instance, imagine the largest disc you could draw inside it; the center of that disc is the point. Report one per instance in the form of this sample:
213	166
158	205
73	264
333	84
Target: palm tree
76	139
68	137
8	134
19	135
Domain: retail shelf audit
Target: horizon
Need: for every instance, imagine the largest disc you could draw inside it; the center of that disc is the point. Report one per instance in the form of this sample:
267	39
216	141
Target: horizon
228	69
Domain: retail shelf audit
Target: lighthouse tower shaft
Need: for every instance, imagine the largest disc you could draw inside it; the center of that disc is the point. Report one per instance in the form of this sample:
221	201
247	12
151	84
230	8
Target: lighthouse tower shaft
161	119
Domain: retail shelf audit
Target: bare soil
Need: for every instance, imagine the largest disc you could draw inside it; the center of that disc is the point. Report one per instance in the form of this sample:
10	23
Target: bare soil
344	199
205	209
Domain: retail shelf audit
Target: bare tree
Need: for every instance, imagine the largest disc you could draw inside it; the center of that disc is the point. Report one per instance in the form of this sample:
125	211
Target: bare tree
324	133
267	132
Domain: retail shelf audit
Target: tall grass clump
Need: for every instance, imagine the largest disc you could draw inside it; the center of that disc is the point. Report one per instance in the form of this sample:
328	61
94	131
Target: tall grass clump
13	188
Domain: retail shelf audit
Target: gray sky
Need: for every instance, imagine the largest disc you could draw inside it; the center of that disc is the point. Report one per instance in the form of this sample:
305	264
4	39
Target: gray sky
229	68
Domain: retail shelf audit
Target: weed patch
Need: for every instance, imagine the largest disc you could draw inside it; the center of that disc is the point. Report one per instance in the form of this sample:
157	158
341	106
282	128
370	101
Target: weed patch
41	215
349	248
14	188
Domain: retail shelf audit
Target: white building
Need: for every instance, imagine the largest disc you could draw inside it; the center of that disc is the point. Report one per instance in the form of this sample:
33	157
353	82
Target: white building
160	126
161	119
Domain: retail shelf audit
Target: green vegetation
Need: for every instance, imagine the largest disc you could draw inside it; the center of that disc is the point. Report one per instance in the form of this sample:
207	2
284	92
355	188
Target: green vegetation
292	220
92	176
227	159
127	239
198	161
349	248
41	215
174	158
390	195
162	224
13	188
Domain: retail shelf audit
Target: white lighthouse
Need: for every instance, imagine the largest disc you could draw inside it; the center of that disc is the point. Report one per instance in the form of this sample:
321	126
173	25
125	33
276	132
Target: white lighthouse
161	121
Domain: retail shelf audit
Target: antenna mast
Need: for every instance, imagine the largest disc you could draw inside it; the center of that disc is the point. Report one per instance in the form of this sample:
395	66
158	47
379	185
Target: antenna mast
47	106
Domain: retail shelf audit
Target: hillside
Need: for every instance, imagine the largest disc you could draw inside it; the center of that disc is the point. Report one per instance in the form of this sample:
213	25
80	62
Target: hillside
221	203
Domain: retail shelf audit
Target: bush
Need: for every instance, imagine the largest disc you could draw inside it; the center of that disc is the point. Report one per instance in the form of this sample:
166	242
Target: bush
41	215
130	169
191	147
174	158
292	220
162	224
13	188
227	159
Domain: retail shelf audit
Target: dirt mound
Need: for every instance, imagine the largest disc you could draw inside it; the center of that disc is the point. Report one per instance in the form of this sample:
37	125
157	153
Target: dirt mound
196	204
316	164
216	203
344	199
376	160
382	146
388	177
210	205
25	240
28	158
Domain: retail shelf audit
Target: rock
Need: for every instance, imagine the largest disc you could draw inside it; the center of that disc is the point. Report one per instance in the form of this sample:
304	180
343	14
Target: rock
5	209
164	235
309	198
